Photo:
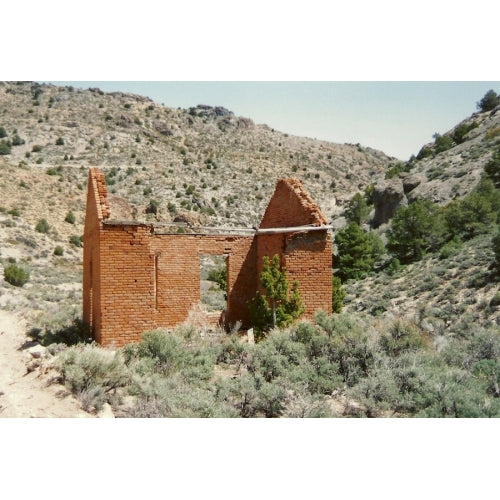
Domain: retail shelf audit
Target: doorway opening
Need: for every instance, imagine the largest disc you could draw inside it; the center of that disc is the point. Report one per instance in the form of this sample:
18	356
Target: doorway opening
213	282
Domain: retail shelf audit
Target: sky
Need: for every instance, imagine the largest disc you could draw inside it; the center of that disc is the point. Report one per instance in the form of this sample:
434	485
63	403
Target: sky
396	117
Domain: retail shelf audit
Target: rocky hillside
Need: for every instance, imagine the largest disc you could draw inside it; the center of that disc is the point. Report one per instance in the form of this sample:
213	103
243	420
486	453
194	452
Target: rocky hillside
446	293
205	162
201	165
446	169
452	165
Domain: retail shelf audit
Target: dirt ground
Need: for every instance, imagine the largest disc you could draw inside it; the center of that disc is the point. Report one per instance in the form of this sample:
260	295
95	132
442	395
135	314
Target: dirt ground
25	393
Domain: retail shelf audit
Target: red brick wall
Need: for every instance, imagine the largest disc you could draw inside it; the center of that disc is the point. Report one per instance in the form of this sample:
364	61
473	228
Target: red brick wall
97	210
306	255
291	205
308	259
135	280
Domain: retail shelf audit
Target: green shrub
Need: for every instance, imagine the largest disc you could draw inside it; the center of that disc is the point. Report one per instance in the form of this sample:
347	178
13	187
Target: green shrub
489	371
15	212
232	352
280	305
70	217
338	294
15	275
458	394
397	169
393	267
17	141
492	168
5	148
450	248
474	214
59	141
345	343
442	143
3	132
425	152
370	193
415	230
357	209
275	356
76	241
92	373
462	130
36	148
403	336
378	392
218	276
153	207
496	249
42	226
164	351
58	250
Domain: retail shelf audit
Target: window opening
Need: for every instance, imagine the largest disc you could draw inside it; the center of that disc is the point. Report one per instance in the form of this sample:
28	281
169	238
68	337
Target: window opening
213	282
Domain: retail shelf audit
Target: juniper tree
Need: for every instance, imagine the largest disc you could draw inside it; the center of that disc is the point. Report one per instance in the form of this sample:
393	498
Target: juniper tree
489	101
280	305
415	230
357	210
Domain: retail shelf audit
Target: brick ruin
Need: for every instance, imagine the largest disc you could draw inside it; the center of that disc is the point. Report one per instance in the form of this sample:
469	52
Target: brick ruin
137	276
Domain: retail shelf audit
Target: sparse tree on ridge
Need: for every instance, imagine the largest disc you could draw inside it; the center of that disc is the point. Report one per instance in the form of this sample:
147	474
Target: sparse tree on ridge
490	101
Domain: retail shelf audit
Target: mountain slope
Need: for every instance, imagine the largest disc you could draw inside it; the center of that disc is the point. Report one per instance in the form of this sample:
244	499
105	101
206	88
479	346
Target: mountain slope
452	165
152	151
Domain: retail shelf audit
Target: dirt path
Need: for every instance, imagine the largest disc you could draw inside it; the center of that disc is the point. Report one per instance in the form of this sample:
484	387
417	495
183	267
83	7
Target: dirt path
24	394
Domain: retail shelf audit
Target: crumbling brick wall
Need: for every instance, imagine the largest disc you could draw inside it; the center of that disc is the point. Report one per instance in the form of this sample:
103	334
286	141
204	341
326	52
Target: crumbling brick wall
136	280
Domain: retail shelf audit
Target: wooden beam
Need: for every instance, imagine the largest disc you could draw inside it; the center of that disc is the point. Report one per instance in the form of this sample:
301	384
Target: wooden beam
294	229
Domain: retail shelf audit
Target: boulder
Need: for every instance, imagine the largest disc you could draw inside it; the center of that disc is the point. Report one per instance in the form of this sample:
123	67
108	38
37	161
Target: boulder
163	128
388	197
410	182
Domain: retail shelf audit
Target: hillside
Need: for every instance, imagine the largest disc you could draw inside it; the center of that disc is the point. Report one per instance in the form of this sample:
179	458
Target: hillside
202	165
209	163
451	166
206	166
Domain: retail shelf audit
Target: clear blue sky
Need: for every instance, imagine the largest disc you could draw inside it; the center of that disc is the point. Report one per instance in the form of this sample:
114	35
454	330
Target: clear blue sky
395	117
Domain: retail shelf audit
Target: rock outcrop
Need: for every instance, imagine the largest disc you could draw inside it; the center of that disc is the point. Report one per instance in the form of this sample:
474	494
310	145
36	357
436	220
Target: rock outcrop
388	197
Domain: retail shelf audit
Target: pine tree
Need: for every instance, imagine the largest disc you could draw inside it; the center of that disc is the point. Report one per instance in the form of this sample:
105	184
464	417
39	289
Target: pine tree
355	252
